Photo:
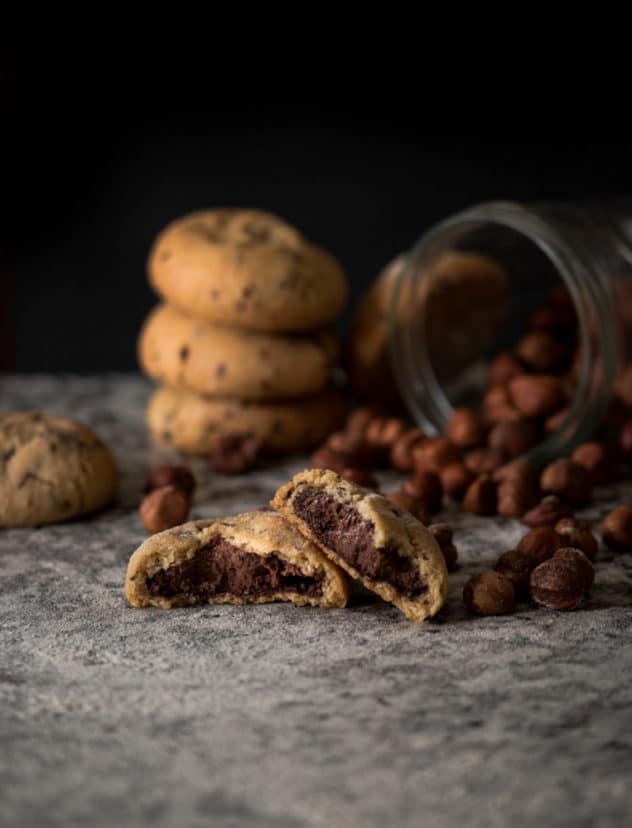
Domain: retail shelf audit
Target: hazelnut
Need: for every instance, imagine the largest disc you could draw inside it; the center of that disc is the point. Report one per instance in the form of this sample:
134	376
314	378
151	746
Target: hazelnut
577	533
401	456
434	453
521	469
517	566
385	431
502	368
577	558
537	395
164	508
495	397
599	459
625	440
541	544
555	421
177	476
455	478
234	453
616	529
516	496
442	533
466	429
359	419
568	480
481	496
547	512
553	320
513	438
412	504
362	477
483	460
326	458
425	485
352	449
489	593
542	352
557	584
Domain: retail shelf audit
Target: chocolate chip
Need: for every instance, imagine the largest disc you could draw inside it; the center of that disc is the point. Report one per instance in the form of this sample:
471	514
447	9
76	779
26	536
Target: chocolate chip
220	369
184	353
164	255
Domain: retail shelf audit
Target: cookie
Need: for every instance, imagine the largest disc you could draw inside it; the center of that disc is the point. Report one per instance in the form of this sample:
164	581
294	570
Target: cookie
370	537
194	424
51	469
252	558
246	268
435	310
219	361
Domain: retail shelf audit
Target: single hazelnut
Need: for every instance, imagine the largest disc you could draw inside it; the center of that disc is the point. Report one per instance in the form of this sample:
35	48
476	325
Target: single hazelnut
568	480
489	593
352	449
326	458
180	477
577	558
164	508
625	440
442	533
359	419
616	529
541	543
502	368
234	453
517	566
362	477
547	512
599	459
466	429
483	460
455	478
495	397
537	395
412	504
557	584
542	352
434	453
521	470
513	438
555	421
577	533
517	496
426	485
481	496
401	456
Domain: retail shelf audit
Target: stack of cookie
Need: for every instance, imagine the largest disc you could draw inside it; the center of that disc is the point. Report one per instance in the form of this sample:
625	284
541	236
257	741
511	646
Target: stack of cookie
242	343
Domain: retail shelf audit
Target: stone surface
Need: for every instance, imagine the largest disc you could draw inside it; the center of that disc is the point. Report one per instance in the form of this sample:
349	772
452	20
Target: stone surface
286	717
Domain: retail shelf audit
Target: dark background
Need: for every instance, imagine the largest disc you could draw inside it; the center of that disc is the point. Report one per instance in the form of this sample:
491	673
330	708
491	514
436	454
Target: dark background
103	147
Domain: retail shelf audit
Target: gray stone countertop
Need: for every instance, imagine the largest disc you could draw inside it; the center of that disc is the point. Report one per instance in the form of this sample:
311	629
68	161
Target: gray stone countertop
286	717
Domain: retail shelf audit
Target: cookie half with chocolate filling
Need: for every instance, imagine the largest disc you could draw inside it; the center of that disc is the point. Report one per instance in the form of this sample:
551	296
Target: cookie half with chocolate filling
374	540
252	558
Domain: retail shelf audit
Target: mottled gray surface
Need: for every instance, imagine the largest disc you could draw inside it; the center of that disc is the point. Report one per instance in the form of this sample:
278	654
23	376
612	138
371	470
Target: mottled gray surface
279	716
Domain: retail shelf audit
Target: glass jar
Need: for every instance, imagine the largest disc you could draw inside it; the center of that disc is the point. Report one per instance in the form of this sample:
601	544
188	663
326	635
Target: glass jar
468	288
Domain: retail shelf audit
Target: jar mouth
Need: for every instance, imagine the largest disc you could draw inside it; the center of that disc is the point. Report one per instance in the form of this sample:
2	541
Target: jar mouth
497	229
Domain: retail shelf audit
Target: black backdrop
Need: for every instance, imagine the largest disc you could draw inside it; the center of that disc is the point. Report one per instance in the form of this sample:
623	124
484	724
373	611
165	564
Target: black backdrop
102	151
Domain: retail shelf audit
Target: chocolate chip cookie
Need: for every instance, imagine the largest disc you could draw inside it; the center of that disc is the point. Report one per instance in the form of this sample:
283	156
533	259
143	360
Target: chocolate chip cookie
219	361
252	558
195	424
246	268
370	537
51	469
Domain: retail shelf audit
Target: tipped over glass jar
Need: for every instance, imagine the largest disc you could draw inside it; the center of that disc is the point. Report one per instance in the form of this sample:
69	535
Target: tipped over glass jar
502	291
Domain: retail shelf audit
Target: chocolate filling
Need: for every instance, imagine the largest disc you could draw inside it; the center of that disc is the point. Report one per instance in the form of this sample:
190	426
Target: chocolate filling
219	568
342	529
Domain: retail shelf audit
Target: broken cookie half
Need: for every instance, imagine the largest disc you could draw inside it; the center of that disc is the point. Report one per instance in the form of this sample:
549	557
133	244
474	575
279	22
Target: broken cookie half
252	558
374	540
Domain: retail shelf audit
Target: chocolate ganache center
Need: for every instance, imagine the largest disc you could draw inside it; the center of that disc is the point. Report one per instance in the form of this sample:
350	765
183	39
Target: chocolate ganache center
341	528
219	568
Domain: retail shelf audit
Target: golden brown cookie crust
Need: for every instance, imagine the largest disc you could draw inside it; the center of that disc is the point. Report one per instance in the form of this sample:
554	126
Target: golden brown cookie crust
392	526
195	424
261	533
246	268
51	469
218	361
